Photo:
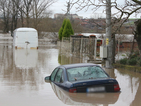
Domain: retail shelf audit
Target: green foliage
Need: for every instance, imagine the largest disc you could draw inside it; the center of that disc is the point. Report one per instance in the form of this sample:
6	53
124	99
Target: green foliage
123	55
61	29
132	61
134	58
66	29
138	27
97	54
123	61
60	33
134	55
139	62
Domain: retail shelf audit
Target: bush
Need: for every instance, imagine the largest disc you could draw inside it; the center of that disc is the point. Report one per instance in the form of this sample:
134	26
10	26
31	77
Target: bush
61	29
139	62
66	29
123	61
134	55
132	61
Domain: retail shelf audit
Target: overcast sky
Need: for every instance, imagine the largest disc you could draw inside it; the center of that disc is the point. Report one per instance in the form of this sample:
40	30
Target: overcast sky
59	6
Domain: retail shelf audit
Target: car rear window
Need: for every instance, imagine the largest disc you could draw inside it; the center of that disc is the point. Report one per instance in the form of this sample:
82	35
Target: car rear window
86	73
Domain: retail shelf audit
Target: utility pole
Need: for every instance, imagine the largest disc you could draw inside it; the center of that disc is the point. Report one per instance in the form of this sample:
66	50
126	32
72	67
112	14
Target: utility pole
109	40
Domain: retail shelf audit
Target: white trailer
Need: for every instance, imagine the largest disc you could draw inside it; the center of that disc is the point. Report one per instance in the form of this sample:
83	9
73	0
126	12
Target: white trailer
25	38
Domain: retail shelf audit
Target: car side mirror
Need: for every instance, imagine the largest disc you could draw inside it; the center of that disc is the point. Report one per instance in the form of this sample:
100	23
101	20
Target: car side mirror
47	79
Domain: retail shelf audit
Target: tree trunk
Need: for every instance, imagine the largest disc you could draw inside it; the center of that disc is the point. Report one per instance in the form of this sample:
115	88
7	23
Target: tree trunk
139	44
132	48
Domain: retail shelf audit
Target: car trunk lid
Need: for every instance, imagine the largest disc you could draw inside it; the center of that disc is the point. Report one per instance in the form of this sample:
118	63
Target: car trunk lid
97	85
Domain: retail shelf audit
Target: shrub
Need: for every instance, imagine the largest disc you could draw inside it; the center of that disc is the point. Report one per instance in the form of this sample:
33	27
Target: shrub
132	61
139	62
123	61
134	55
66	29
61	29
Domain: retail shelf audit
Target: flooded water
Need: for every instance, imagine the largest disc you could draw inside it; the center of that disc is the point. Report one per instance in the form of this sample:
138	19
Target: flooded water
22	74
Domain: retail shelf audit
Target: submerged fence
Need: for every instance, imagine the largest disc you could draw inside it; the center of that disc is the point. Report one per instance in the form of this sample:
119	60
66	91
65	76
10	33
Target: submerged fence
90	47
79	46
83	45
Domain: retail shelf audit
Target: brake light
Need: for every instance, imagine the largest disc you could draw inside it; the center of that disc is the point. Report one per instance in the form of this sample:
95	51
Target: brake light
116	88
72	90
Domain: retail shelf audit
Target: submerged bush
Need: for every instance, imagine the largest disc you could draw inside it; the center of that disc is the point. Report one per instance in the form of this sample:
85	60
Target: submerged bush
132	61
134	55
139	63
123	61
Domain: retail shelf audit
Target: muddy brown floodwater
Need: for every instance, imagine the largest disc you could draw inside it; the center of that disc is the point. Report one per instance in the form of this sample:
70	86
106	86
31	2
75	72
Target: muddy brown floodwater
22	74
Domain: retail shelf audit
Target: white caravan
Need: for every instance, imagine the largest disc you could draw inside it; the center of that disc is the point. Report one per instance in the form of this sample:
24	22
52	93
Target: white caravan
25	38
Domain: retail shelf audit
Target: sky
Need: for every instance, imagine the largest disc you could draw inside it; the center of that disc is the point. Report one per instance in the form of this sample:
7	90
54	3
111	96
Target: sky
60	5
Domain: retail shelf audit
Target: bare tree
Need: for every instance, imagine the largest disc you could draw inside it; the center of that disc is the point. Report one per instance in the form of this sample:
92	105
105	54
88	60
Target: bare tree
121	14
129	8
137	34
4	6
26	10
39	10
15	12
124	11
76	26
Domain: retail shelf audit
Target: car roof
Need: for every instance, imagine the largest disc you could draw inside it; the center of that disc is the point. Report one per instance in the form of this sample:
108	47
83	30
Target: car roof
78	65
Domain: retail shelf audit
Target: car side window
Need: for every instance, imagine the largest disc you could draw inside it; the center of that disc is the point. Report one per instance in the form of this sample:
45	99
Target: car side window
53	74
59	76
62	79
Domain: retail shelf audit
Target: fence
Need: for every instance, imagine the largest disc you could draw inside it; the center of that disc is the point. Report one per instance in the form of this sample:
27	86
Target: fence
79	46
90	47
83	45
7	40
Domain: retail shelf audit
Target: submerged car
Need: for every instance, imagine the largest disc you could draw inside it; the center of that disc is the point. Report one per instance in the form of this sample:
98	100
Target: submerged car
83	77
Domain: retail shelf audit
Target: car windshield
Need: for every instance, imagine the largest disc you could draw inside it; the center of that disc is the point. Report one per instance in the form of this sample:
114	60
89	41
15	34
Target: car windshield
85	73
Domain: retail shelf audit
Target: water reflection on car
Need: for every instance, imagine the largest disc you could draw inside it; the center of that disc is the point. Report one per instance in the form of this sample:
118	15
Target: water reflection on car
84	99
83	77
